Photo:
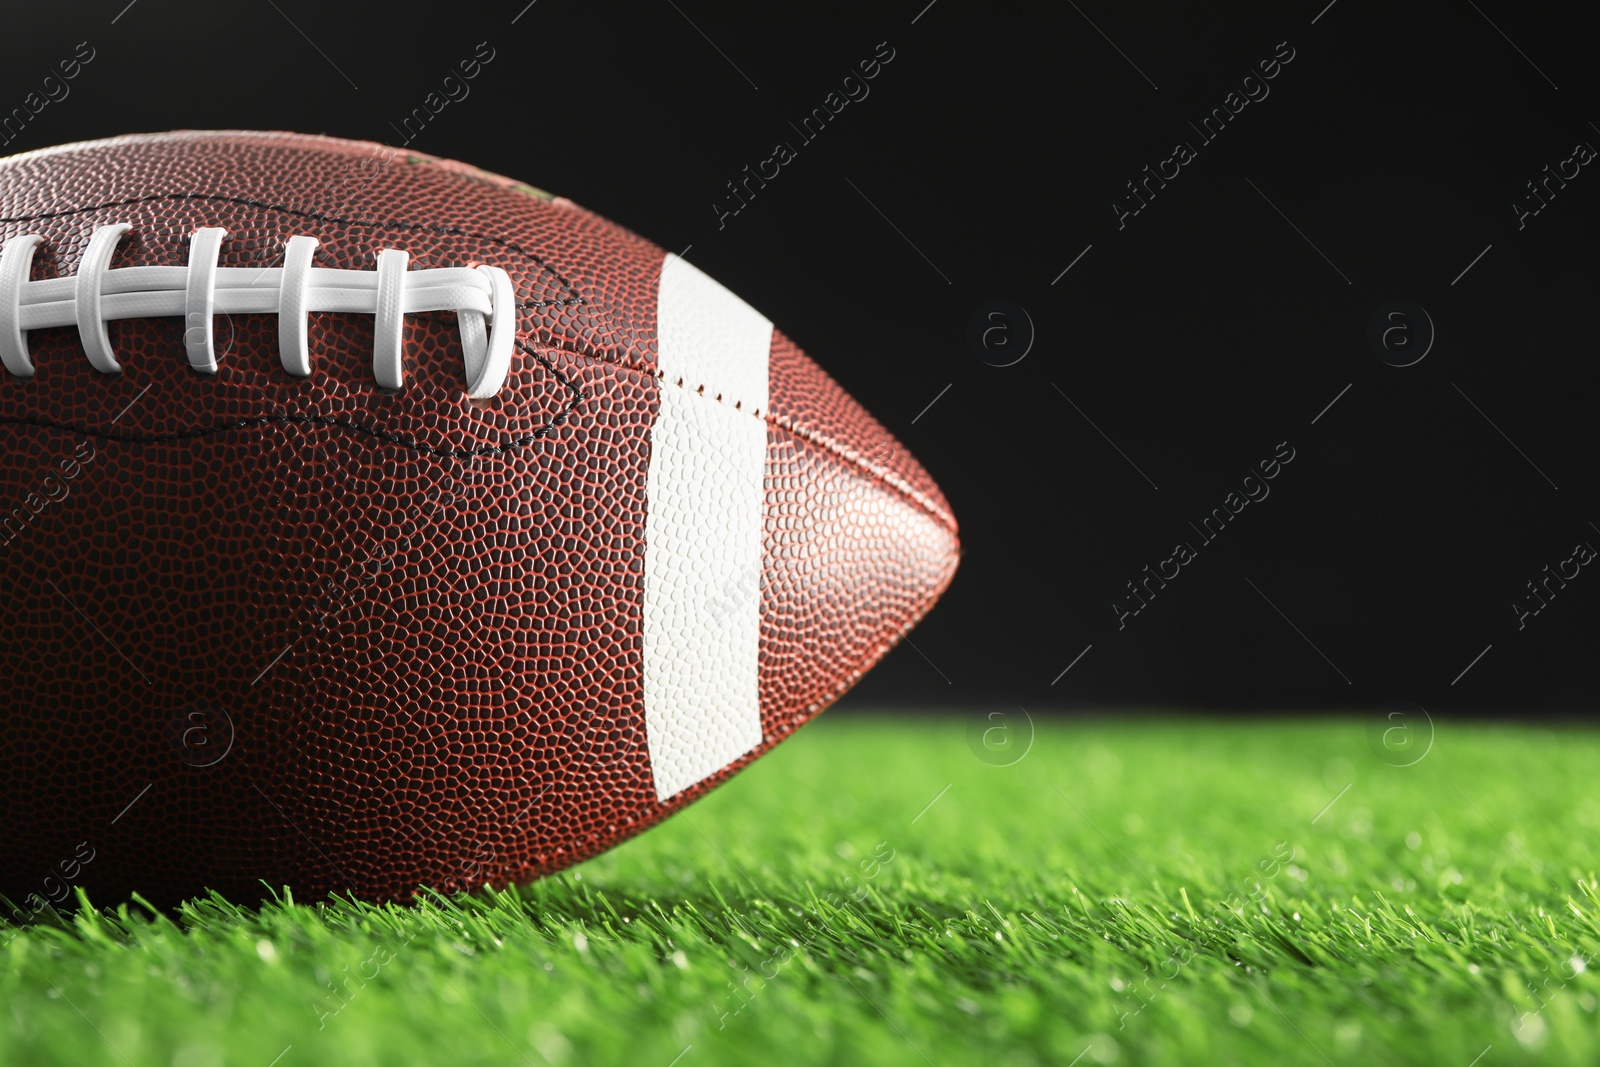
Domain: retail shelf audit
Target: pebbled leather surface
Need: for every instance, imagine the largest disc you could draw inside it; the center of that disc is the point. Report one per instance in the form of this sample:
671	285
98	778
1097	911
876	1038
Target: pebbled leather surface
311	632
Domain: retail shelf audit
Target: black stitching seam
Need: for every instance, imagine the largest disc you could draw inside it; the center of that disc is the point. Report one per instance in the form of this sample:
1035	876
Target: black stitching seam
578	396
262	205
905	489
827	444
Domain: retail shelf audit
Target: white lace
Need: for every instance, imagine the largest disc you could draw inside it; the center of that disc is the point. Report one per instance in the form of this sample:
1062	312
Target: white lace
481	297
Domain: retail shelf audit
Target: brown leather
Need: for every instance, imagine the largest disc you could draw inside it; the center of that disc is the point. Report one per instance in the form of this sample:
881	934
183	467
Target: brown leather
310	632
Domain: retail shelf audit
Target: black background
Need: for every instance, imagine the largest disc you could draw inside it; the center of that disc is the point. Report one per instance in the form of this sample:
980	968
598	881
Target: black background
1216	323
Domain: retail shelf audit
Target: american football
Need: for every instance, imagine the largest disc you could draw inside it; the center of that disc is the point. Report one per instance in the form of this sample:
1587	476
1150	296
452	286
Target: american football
371	522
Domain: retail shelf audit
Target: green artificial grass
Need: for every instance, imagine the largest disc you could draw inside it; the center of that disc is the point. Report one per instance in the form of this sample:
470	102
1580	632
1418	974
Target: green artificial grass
1136	892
